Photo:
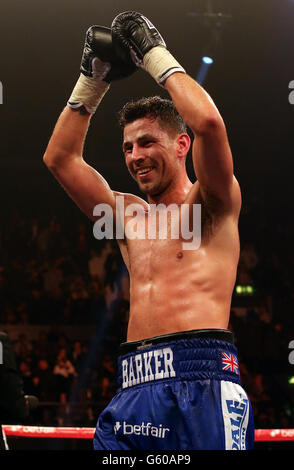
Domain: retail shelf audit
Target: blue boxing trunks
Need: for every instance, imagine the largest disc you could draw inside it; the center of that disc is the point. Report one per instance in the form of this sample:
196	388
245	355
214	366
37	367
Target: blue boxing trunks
180	391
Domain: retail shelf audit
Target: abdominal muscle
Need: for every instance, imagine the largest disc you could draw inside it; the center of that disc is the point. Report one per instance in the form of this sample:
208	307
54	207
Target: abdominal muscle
174	290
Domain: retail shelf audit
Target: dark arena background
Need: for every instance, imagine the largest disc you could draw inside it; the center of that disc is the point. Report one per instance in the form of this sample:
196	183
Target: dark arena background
64	294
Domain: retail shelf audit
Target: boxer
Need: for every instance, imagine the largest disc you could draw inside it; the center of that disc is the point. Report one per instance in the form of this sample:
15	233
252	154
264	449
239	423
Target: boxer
179	382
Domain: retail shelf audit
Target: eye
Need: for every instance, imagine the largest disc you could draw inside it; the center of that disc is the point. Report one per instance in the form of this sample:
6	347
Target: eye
147	143
128	150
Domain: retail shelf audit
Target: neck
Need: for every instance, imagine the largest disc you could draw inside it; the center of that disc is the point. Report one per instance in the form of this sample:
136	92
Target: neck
173	194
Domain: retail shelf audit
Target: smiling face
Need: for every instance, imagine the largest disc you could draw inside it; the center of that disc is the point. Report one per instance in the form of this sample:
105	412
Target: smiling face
151	155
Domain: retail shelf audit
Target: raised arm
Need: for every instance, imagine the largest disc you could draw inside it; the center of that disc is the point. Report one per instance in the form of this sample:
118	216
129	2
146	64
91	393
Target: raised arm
212	159
211	153
64	153
64	158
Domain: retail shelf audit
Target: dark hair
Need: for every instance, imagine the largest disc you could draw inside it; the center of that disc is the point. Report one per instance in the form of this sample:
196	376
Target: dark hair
153	107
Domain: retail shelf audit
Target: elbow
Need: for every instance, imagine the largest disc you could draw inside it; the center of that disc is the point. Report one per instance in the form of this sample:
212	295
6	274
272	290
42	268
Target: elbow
54	160
52	165
50	158
47	160
210	124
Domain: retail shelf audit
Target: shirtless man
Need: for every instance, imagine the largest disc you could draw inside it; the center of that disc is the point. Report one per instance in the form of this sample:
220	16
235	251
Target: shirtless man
179	383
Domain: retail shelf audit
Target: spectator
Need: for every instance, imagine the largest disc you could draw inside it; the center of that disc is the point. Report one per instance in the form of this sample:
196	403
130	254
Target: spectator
78	356
79	298
52	276
23	348
97	262
64	372
43	381
41	348
27	378
248	256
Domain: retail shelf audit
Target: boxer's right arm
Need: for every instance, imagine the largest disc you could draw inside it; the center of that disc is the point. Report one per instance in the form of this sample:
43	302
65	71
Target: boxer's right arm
64	153
64	158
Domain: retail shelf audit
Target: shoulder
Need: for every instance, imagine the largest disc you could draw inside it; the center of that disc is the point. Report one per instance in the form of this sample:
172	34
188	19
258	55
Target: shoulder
125	199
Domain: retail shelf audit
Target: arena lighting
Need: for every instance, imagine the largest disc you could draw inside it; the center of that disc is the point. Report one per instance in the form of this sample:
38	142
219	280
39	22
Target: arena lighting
214	22
244	290
206	62
291	380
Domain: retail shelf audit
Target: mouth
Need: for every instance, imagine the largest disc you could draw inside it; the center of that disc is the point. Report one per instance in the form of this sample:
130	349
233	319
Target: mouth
144	172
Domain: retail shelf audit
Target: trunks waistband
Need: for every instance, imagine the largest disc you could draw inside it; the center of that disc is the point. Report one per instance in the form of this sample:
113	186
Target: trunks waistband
213	333
188	355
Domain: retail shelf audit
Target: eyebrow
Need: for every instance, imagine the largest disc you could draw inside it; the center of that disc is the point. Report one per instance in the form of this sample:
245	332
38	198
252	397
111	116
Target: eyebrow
140	139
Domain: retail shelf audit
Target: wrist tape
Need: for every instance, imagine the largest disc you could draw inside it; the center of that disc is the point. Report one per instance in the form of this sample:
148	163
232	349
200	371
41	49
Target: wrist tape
88	92
160	63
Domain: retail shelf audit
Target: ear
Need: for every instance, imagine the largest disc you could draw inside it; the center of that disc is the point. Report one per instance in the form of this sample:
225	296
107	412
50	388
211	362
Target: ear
183	142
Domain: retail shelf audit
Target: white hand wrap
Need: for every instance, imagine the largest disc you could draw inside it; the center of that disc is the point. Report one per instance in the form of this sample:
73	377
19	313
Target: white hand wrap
160	63
88	92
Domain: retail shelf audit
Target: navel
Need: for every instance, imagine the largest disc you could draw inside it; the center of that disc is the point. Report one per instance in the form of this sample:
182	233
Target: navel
180	255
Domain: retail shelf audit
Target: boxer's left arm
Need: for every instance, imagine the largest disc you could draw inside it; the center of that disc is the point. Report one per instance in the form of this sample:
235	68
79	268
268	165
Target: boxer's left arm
211	153
212	158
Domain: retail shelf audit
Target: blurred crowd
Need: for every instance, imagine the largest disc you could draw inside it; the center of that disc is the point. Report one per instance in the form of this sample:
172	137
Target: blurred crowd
54	274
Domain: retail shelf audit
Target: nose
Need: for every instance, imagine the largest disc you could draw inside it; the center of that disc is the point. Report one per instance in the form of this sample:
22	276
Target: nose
137	155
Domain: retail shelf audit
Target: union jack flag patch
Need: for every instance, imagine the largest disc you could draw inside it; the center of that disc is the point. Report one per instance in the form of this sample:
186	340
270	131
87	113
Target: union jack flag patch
230	363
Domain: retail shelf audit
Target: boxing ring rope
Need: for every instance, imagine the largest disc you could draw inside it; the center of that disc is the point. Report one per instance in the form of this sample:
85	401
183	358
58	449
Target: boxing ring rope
261	435
48	431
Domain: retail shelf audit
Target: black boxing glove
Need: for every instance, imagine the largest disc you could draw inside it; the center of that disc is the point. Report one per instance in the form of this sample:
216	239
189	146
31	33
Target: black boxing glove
98	45
147	47
99	66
